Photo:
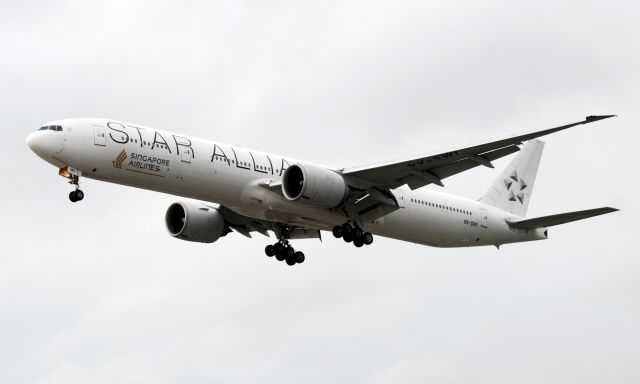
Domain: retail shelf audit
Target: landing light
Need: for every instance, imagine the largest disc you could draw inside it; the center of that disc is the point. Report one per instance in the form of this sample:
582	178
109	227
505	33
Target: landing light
69	172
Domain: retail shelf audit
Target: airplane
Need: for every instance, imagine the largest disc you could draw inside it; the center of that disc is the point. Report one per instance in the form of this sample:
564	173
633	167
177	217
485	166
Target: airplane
249	191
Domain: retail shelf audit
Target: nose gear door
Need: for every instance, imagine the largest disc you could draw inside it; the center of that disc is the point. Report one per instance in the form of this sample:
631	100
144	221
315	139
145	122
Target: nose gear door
99	136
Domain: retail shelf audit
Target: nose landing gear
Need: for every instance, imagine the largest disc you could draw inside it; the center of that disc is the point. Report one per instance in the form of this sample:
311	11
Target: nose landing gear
73	175
350	233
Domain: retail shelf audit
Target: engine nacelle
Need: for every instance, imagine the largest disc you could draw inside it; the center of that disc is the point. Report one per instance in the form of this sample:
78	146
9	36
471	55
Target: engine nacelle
314	186
194	222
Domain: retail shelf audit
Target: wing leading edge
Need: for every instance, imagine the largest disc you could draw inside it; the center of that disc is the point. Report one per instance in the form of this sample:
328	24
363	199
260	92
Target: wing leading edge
428	169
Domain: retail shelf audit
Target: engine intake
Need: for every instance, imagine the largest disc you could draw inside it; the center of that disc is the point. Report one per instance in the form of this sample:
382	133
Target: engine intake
194	222
314	186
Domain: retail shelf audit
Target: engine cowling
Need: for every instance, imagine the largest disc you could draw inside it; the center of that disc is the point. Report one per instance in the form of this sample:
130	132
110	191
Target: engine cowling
194	222
314	186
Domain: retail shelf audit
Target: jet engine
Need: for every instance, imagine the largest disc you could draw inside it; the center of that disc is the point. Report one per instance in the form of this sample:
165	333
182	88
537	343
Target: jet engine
314	186
194	222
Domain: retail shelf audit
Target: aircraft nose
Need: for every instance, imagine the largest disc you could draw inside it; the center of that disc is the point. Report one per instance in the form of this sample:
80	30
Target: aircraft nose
45	145
48	143
35	142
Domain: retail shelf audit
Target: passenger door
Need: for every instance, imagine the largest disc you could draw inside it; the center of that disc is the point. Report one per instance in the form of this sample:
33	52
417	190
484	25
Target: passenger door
185	154
399	195
484	218
99	136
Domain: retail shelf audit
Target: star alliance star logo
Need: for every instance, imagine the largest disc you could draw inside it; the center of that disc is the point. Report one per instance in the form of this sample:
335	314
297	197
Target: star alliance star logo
518	185
117	163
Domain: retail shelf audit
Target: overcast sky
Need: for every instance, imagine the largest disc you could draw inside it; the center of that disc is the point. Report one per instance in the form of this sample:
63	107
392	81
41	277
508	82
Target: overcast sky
97	292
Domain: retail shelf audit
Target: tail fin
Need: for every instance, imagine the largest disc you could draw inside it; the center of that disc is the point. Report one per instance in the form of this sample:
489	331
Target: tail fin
511	191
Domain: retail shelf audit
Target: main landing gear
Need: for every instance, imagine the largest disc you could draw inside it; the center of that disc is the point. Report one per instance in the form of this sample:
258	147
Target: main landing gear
350	233
282	250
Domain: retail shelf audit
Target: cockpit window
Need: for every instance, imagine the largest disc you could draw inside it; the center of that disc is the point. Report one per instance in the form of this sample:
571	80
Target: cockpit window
57	128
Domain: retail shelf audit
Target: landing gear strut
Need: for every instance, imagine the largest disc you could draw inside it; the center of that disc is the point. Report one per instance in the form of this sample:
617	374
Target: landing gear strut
283	251
350	233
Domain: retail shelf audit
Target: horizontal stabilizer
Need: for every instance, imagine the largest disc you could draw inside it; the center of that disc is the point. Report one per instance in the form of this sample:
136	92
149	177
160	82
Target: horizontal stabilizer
562	218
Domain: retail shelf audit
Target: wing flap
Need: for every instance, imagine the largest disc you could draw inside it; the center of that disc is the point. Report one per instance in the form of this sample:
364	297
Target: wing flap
450	169
562	218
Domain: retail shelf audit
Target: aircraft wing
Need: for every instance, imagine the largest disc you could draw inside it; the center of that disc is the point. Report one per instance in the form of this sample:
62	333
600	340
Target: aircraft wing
432	168
246	225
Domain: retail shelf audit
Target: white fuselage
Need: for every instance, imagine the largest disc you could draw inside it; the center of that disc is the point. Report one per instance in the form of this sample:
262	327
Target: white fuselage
234	176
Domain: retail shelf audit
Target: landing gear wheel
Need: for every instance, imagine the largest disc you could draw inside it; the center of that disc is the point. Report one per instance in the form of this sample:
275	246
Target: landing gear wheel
290	252
368	238
299	257
358	242
79	194
73	197
337	231
290	261
347	228
348	237
358	232
269	250
280	251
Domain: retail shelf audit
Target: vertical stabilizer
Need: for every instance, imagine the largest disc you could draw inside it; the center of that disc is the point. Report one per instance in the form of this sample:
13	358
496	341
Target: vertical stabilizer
511	192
